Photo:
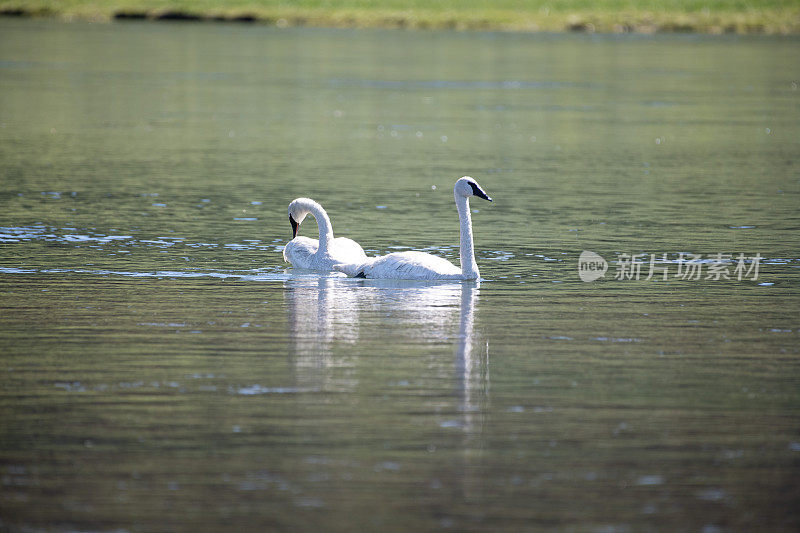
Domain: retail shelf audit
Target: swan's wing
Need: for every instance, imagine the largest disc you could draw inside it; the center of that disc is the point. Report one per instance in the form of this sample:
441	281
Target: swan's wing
299	250
419	265
409	265
402	265
346	250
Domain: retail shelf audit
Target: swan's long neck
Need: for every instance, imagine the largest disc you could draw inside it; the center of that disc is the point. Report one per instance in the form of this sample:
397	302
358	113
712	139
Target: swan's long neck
469	267
324	225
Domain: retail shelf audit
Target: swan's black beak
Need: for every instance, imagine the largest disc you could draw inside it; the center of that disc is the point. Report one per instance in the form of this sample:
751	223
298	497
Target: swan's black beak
295	225
477	191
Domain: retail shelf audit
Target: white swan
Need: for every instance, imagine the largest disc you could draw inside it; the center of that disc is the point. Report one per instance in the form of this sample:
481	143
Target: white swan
419	265
321	254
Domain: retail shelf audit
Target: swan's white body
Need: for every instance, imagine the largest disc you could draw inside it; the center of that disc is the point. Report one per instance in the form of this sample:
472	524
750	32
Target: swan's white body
322	254
422	266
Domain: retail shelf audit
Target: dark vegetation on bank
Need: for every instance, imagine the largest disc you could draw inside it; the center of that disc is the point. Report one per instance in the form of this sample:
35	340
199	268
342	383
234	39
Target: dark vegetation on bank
607	16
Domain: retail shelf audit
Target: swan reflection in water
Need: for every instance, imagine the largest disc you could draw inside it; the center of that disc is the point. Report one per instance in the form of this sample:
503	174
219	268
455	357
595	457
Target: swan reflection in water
333	319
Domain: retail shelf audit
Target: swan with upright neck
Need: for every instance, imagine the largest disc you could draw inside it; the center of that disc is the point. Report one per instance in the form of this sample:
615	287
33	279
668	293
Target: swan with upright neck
423	266
318	254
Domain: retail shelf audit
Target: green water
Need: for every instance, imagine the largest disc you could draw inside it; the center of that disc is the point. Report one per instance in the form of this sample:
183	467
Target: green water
163	370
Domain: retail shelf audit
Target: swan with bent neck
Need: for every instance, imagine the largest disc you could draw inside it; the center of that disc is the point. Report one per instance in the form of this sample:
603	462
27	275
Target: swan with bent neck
423	266
318	254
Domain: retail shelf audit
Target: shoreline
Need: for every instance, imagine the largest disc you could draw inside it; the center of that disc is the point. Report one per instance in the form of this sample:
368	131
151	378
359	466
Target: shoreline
763	22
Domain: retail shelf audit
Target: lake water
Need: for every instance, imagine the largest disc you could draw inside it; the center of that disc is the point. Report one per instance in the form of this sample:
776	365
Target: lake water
163	370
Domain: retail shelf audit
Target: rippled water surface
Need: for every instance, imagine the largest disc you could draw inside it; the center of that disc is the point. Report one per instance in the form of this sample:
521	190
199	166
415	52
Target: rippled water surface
162	369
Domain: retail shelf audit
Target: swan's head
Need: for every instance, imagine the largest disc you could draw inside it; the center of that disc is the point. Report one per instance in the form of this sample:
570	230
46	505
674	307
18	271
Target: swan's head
298	210
467	187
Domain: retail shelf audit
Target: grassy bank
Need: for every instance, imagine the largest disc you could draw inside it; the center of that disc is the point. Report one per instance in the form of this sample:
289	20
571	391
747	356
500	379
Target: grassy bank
645	16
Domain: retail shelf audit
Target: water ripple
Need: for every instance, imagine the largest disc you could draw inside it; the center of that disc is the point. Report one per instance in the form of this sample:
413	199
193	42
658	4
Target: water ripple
248	275
452	84
20	234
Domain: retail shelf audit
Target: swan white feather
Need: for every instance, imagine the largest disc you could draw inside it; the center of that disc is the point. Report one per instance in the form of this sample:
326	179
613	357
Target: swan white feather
318	254
423	266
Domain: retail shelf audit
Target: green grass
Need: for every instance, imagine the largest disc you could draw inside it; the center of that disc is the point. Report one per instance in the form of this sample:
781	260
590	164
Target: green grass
710	16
